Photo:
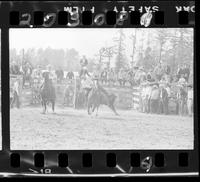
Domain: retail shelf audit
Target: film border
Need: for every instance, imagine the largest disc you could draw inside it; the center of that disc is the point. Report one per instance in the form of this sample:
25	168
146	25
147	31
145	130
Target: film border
75	156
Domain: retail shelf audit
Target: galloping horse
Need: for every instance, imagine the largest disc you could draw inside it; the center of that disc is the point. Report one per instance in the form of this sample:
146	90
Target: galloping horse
47	92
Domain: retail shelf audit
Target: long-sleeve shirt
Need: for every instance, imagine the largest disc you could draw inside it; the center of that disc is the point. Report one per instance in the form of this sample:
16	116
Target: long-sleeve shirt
190	94
155	94
16	87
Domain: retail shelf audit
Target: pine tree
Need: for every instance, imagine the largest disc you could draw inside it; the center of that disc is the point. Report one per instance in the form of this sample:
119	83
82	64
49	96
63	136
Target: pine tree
121	60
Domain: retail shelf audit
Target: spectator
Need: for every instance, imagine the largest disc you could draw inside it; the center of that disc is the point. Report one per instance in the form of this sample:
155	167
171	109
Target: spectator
70	75
158	71
120	77
37	72
154	100
111	77
180	71
104	76
164	99
15	94
51	72
186	72
182	80
190	95
147	97
14	68
84	63
140	76
130	76
60	75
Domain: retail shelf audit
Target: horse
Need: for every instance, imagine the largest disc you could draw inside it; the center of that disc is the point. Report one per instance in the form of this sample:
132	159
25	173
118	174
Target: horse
97	97
47	92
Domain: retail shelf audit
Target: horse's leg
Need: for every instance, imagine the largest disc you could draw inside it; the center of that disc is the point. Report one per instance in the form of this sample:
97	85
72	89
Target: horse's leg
114	110
97	110
89	105
53	106
43	107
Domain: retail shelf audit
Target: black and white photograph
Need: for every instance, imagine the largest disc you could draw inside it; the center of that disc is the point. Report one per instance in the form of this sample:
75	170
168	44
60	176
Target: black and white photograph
101	88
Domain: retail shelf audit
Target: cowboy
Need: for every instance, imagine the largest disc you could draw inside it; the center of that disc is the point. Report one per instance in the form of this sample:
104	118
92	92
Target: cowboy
59	74
70	75
104	76
190	95
164	98
37	73
97	86
111	76
147	97
86	84
84	63
51	73
158	72
140	75
143	97
186	72
182	80
16	92
154	99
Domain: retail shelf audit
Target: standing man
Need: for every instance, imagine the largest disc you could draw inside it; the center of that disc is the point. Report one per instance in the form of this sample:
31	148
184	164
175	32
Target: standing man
84	63
154	100
190	100
16	92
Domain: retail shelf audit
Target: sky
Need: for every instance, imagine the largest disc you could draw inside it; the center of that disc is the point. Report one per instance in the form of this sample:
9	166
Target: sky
87	41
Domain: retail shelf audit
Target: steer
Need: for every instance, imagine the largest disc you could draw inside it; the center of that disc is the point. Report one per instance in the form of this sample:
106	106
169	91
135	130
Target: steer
97	98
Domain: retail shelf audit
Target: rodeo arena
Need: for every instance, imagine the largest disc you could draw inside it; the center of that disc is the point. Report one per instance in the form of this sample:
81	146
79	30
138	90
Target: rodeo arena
129	109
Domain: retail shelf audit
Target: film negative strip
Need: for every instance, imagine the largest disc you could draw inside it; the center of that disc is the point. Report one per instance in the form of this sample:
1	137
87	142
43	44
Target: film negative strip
98	88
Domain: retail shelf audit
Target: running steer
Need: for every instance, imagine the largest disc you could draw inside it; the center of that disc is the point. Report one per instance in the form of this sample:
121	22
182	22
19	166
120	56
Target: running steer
97	98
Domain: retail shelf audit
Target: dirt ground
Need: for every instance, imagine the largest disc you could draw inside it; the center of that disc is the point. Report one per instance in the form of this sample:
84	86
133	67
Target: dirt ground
75	129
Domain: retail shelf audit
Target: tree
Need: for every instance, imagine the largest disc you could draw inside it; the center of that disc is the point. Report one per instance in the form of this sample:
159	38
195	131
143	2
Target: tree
121	59
162	37
133	37
72	61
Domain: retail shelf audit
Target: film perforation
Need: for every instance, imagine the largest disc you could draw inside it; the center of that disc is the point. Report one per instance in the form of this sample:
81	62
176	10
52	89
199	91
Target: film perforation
111	17
159	160
62	160
63	17
39	160
135	18
183	159
14	18
87	18
183	17
87	160
15	160
159	18
111	160
135	159
38	18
